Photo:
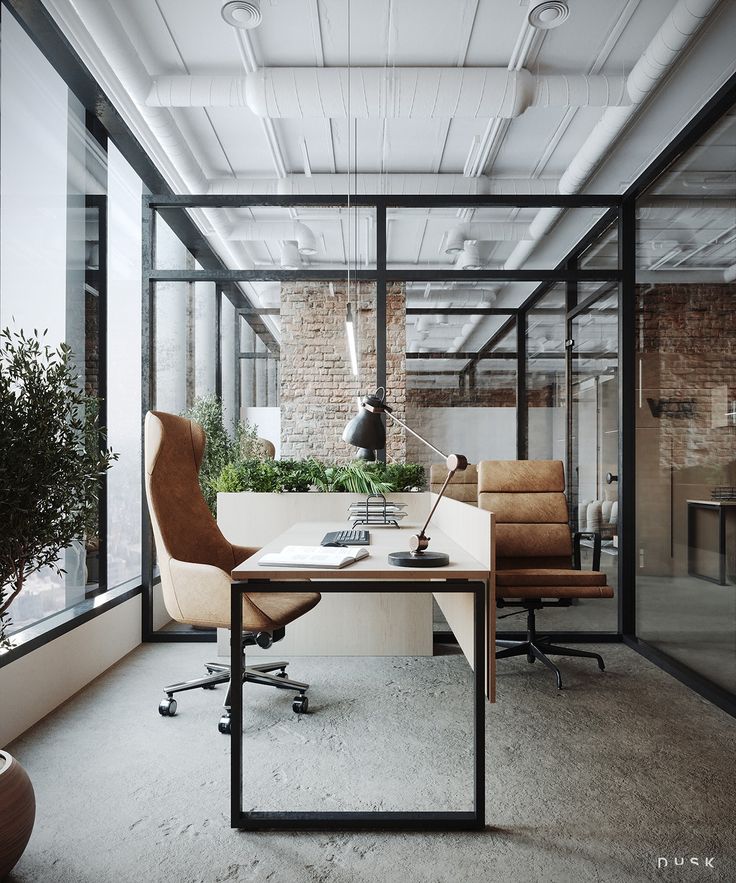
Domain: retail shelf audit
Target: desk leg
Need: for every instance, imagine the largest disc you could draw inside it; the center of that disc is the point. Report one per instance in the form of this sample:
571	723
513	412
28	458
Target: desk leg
479	687
236	705
722	546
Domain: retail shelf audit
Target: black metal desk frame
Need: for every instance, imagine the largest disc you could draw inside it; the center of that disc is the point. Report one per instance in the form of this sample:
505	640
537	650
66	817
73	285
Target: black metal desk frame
692	507
351	821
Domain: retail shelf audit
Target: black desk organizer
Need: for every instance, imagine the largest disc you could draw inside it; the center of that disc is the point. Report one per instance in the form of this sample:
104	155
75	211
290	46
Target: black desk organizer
375	515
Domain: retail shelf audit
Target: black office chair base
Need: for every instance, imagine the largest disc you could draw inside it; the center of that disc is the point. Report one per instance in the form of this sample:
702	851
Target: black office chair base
219	673
540	650
535	648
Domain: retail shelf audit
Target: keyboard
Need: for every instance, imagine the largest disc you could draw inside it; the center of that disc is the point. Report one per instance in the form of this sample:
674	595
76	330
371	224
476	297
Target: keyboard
347	537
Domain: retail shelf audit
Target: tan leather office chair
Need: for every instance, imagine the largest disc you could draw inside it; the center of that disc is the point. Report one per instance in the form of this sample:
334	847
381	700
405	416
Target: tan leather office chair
534	550
195	561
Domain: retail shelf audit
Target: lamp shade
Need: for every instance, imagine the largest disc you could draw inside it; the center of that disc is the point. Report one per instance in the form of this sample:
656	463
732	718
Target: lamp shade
366	429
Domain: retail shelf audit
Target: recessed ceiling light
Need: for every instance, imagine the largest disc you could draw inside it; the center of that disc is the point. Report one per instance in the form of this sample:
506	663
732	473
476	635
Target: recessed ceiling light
244	14
548	14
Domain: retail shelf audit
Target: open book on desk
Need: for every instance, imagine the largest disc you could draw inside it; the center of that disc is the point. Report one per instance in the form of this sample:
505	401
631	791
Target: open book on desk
325	557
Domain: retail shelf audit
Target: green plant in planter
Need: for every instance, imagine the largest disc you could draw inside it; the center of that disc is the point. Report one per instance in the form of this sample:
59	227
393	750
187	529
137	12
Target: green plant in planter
401	476
354	477
221	449
50	461
266	476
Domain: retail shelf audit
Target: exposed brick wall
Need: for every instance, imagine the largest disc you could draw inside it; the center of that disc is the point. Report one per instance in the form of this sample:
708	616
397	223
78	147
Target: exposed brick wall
453	397
318	391
686	345
686	336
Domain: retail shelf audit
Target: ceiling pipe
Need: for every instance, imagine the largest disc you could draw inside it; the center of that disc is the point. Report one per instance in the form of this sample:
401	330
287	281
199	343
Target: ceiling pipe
389	93
409	184
680	26
484	231
276	231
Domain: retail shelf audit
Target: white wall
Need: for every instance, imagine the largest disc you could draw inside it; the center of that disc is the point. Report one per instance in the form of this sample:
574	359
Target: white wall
36	684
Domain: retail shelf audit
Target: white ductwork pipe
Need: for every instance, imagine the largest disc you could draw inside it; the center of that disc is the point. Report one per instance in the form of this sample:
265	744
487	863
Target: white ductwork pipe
484	231
729	274
388	93
410	184
668	43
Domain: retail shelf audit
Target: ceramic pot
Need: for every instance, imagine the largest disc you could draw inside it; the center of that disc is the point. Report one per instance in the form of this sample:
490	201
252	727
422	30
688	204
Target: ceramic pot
17	812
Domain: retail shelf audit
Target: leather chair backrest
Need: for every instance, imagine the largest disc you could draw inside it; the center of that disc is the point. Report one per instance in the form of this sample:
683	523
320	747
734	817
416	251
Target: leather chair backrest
463	487
183	526
528	499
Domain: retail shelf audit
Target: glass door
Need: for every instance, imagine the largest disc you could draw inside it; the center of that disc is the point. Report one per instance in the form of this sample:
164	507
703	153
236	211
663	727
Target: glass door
594	436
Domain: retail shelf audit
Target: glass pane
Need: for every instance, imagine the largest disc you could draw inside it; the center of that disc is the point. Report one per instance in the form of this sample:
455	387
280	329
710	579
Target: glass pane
53	181
185	344
595	448
545	380
124	371
275	238
603	253
457	400
686	460
487	238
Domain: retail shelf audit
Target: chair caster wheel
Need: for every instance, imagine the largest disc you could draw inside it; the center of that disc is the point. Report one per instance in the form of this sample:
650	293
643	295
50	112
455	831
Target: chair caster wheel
224	725
282	674
300	704
531	659
208	687
167	707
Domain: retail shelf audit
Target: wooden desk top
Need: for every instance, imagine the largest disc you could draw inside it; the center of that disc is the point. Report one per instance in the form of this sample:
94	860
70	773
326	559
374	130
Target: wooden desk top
375	567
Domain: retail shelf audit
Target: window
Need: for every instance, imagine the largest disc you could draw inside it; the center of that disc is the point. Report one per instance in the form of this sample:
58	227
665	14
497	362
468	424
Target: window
70	262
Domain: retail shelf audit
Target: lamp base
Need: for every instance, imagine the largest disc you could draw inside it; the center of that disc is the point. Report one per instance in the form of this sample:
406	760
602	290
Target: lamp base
419	559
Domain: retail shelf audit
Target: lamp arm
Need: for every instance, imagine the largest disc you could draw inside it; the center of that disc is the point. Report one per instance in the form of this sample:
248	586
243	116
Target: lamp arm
422	535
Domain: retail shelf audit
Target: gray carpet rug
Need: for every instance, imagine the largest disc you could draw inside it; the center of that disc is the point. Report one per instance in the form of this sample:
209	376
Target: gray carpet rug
591	784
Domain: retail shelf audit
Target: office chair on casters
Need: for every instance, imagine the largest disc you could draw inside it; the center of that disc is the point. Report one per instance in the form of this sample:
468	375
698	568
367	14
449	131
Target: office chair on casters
196	560
535	550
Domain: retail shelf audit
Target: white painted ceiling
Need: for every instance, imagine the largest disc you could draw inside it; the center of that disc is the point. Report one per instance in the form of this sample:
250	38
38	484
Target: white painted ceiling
130	43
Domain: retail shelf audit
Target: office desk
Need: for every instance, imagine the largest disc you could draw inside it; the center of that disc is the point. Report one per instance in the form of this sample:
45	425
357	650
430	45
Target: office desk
715	552
463	575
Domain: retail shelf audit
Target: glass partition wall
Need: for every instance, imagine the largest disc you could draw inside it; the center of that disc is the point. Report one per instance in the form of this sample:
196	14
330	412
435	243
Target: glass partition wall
273	327
685	311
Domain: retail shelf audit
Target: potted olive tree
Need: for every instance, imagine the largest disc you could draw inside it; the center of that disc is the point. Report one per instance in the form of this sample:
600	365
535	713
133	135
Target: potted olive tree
51	461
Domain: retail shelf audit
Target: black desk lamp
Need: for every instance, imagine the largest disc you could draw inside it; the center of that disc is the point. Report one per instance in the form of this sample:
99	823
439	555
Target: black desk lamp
367	430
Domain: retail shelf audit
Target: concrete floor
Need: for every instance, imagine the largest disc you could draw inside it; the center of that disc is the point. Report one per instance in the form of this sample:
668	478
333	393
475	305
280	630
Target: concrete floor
591	784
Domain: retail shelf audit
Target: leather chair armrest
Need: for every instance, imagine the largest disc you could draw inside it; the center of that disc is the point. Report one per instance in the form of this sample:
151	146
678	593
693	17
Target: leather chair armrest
576	538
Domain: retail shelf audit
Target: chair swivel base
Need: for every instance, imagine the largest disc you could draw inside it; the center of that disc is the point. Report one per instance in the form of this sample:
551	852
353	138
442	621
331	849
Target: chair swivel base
539	649
219	673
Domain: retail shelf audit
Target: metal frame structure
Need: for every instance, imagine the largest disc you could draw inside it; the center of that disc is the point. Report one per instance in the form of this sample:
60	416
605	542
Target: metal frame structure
173	209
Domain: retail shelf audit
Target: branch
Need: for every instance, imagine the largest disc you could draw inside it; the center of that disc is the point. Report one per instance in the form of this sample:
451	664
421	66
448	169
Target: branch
18	586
